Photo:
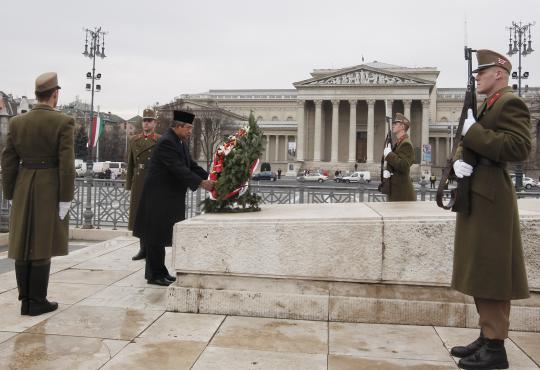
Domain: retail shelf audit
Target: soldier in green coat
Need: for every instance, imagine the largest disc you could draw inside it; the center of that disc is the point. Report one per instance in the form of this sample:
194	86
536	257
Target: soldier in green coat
38	175
139	153
488	256
399	160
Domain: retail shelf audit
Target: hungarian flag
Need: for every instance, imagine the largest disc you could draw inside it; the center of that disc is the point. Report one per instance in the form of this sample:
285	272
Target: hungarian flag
97	129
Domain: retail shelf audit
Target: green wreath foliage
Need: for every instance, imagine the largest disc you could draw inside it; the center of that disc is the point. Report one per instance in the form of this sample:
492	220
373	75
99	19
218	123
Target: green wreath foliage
236	171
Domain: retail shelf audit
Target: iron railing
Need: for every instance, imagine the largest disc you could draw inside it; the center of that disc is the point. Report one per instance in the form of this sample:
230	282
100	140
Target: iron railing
110	200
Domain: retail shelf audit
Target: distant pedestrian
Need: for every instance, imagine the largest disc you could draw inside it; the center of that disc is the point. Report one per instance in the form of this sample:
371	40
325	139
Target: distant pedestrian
279	173
432	180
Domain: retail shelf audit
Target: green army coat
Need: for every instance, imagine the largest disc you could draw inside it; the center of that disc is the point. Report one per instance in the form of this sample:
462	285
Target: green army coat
399	162
36	231
488	256
139	153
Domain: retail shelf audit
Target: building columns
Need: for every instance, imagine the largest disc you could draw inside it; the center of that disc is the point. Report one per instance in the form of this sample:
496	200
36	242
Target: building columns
425	122
318	129
370	130
286	148
300	134
276	155
267	149
352	131
388	103
407	113
335	131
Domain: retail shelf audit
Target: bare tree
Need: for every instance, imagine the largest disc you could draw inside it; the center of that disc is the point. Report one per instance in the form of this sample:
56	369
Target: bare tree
211	132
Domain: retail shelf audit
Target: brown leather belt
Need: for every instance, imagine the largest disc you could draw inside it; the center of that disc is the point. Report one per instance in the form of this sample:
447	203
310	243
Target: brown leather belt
40	164
483	161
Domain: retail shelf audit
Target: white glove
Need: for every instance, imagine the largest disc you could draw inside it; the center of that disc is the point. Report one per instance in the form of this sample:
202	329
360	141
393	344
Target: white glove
386	174
462	169
63	209
469	121
387	150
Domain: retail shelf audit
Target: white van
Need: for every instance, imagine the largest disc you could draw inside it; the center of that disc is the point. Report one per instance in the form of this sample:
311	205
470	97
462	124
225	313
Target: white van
355	177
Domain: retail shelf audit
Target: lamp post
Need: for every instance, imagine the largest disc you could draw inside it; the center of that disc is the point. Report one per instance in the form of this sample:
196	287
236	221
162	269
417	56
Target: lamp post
97	49
518	44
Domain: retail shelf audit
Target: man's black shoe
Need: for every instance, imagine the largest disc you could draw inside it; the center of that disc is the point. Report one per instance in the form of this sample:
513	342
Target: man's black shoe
139	256
465	351
492	355
170	277
161	281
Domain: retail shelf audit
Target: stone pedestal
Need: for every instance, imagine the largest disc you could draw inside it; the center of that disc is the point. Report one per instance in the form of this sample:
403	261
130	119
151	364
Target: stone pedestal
359	262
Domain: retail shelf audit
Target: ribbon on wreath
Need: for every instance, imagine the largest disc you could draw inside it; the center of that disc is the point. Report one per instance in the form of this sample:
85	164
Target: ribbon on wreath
217	166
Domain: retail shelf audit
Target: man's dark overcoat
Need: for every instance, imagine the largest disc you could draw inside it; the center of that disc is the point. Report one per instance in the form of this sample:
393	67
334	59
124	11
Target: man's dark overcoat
170	173
488	256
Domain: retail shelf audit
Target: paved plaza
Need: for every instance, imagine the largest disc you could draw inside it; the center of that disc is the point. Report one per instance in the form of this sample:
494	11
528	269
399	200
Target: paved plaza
109	318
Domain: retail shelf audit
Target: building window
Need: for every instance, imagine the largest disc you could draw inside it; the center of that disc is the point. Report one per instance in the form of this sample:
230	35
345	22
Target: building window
274	118
289	118
260	118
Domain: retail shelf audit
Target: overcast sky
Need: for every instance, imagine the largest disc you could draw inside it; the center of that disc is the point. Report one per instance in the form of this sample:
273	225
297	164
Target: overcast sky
158	49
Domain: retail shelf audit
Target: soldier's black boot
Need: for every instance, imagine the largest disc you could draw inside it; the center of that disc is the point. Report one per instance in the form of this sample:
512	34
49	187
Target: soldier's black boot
492	355
37	293
21	274
141	254
469	349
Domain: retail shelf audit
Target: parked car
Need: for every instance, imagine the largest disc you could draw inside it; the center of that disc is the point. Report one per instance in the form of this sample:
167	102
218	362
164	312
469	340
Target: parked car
265	175
315	177
355	177
528	183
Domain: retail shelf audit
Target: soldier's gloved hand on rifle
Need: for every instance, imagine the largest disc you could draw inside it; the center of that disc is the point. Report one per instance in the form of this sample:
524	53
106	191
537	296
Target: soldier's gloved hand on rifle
387	150
462	169
469	121
386	174
63	208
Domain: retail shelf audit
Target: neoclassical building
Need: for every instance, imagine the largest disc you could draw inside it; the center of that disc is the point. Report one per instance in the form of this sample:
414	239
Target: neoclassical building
336	118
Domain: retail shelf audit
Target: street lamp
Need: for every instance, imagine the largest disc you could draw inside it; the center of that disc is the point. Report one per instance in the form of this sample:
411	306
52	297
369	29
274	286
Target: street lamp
97	49
518	44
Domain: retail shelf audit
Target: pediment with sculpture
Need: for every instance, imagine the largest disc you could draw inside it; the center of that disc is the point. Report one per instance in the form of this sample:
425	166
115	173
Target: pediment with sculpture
363	76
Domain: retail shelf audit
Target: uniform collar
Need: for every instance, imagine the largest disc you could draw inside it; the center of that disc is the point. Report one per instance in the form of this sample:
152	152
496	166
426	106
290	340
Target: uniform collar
42	106
400	140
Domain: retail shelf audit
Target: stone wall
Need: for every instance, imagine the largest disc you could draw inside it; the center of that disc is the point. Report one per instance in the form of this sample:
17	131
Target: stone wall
364	262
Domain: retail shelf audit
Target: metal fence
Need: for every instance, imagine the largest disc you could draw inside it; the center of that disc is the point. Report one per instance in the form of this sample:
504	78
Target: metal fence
110	201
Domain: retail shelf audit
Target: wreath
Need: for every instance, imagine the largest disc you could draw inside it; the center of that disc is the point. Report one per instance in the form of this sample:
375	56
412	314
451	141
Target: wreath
233	164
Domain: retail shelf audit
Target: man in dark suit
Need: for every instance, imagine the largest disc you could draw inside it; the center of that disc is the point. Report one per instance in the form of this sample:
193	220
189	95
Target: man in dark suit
38	175
171	172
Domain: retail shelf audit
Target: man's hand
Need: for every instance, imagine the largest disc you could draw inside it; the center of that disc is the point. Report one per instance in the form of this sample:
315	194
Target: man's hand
207	185
469	121
387	150
462	169
63	209
386	174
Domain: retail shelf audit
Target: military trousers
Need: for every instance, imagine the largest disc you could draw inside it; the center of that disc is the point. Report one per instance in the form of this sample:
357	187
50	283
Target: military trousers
494	317
155	262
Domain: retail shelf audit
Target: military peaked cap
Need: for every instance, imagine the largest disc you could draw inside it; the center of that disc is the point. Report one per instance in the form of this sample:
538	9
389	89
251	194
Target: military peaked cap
47	81
149	114
488	58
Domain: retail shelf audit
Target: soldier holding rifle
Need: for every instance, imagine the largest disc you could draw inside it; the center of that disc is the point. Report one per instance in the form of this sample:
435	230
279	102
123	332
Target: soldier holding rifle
399	159
488	256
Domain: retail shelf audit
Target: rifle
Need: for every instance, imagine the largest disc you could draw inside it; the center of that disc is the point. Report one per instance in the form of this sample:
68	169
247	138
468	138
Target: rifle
459	197
384	186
